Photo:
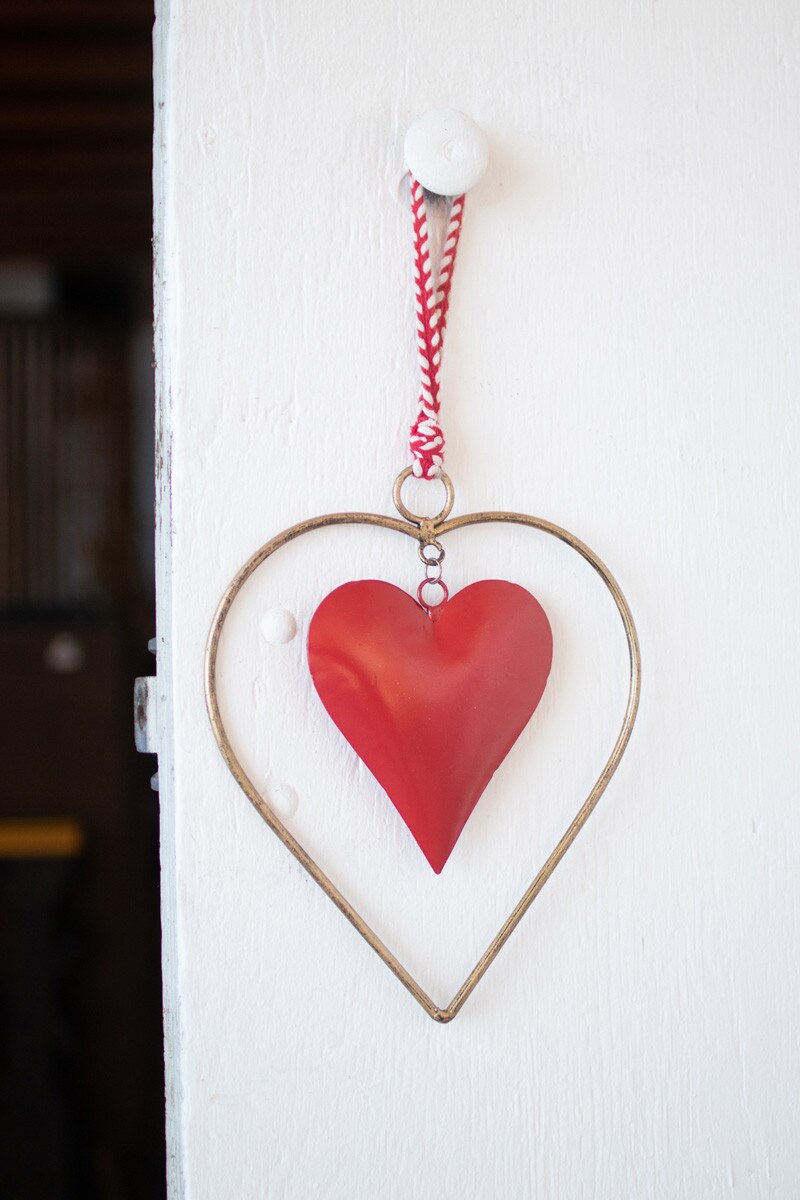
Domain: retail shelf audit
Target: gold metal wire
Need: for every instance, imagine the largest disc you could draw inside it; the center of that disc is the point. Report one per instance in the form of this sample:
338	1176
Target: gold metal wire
423	530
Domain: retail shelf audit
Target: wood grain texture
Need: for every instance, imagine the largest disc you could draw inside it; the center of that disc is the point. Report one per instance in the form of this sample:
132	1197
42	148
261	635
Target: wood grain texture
622	358
75	121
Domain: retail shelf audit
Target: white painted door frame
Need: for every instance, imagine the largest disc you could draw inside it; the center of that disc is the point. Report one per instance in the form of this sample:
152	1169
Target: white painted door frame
623	359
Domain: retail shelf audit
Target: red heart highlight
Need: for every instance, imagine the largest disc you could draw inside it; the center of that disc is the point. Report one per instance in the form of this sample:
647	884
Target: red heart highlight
432	707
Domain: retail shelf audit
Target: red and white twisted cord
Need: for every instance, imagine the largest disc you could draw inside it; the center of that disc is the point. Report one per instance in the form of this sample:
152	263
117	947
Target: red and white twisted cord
431	299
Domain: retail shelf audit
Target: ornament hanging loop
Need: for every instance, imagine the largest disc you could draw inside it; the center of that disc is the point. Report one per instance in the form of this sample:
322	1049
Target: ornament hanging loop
426	525
430	549
431	553
433	610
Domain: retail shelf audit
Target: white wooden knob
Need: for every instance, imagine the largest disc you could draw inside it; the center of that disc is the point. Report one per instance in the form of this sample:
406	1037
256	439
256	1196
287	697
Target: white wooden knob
446	151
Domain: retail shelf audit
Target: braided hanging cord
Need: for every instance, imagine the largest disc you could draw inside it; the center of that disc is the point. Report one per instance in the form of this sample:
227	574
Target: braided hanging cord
431	300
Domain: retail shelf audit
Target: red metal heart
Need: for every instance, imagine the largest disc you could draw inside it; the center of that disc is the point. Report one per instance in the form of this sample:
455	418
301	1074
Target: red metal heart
432	707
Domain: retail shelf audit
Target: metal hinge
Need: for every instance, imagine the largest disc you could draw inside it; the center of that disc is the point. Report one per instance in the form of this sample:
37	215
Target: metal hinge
145	714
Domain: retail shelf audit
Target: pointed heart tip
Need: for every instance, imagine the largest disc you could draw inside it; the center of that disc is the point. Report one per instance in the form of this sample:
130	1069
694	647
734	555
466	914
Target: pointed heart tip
436	860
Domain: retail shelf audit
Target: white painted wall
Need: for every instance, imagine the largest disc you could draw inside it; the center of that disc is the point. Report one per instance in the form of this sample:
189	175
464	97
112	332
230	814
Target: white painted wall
623	359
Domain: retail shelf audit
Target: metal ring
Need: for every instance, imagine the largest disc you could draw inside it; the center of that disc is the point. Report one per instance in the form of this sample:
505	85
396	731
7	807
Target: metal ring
415	518
433	572
433	583
431	562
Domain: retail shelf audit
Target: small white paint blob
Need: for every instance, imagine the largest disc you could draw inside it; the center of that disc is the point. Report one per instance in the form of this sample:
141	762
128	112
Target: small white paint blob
446	151
278	626
282	799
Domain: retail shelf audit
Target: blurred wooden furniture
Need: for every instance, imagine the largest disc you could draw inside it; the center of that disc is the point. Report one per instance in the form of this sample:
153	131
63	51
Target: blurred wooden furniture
67	752
64	472
75	159
75	129
44	1153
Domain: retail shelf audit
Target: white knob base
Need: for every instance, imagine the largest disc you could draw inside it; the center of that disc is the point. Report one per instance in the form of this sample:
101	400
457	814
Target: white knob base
446	151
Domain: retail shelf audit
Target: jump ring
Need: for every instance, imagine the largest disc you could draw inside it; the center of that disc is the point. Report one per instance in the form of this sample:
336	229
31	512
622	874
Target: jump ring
431	583
415	518
438	552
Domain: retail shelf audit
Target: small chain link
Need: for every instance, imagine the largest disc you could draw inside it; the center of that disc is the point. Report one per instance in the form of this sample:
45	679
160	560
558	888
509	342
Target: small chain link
431	553
436	557
431	608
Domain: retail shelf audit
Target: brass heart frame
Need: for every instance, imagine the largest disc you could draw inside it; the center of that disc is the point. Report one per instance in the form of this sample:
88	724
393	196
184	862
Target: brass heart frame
424	531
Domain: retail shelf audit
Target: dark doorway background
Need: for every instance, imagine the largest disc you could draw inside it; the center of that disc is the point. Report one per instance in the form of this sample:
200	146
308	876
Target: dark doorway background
81	1075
